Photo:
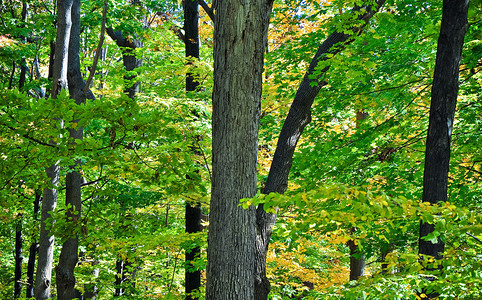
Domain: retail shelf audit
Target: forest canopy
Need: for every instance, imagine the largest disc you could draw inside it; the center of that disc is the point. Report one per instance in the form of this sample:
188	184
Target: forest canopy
115	165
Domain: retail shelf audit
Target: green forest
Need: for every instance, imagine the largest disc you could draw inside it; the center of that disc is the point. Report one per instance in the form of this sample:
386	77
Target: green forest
241	149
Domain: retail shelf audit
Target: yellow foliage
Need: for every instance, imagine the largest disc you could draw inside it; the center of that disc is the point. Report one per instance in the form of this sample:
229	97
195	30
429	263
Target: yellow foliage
290	267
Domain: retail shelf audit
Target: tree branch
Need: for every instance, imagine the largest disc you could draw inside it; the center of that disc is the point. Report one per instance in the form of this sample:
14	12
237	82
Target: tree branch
99	49
207	9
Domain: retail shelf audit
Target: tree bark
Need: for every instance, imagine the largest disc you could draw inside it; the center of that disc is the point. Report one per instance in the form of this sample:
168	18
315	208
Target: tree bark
46	241
298	117
442	110
192	278
240	33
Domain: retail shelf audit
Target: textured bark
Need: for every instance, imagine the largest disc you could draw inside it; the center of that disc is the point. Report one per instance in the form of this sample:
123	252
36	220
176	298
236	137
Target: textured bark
442	109
298	117
192	278
240	32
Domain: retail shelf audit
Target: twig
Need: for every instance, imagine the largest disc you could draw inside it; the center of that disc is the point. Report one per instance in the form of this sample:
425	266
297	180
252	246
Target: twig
475	238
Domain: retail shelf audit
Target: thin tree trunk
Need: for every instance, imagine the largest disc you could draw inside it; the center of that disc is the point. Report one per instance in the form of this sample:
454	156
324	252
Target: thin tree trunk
298	117
240	32
18	230
43	277
442	110
33	249
192	278
23	62
46	241
18	259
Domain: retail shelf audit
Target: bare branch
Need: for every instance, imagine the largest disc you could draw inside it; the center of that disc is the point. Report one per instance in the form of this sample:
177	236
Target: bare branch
207	9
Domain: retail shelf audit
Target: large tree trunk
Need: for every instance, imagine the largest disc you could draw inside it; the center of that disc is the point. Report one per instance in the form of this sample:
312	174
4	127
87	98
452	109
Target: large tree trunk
298	117
240	32
69	255
46	241
442	110
192	278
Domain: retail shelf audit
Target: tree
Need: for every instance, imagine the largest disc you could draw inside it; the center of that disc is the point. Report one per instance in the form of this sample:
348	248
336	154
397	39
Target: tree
442	111
193	210
240	33
46	240
69	254
298	117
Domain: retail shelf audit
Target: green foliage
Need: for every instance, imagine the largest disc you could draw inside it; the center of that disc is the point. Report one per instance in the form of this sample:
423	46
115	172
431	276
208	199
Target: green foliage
143	159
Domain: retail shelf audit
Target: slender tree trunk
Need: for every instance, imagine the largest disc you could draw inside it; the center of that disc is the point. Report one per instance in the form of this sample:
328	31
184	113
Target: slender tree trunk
33	249
46	241
298	117
43	277
23	62
18	259
31	269
442	110
240	32
192	278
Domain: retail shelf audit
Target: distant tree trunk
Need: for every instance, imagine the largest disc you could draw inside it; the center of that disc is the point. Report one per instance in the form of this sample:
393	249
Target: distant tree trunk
18	259
131	88
129	58
46	241
357	261
240	33
298	117
192	278
69	255
33	248
442	110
